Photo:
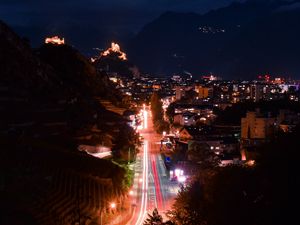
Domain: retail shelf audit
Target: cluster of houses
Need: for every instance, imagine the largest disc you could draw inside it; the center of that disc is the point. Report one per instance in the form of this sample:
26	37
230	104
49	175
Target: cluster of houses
194	126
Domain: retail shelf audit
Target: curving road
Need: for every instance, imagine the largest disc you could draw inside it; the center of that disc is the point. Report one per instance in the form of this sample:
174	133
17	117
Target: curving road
152	188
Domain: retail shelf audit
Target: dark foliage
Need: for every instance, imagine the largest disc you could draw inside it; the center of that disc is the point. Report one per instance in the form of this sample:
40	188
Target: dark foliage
243	195
160	124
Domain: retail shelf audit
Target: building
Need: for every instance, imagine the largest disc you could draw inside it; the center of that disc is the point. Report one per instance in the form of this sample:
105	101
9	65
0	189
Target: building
256	92
55	40
204	92
179	92
256	127
185	119
287	120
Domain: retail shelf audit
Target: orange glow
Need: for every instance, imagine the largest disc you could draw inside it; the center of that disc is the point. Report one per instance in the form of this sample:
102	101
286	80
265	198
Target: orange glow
250	163
112	205
243	154
55	40
278	80
115	48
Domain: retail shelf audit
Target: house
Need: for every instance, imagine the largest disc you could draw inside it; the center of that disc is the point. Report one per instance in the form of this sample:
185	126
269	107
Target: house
256	127
185	134
185	119
287	120
204	92
190	133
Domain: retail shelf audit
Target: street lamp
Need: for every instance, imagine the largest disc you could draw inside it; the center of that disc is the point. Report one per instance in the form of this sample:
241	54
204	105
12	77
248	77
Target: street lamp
112	205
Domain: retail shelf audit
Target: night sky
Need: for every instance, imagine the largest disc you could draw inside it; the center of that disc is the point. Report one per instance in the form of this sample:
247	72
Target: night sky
91	22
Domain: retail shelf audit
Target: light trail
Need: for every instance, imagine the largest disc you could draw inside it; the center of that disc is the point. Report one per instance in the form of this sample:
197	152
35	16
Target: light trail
145	113
157	184
154	188
143	209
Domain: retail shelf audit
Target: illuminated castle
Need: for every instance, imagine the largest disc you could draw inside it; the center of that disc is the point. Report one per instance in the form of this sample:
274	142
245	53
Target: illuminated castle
115	48
55	40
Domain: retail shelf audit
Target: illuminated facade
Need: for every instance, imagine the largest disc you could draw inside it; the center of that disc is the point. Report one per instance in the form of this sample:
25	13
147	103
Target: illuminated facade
204	92
256	92
55	40
115	48
255	126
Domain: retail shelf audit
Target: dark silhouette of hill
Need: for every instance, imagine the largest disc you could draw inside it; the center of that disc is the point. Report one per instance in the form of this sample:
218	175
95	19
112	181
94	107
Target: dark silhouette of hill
49	107
241	40
19	67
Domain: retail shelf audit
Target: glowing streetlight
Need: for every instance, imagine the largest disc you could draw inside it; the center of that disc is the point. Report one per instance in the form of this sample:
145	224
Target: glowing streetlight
131	192
112	205
181	179
145	119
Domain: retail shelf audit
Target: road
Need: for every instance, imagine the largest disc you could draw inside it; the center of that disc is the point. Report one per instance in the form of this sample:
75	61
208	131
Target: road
152	188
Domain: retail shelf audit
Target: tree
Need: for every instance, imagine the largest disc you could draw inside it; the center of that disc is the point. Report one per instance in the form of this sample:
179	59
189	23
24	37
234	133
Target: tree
188	206
171	112
201	154
125	146
245	195
155	218
160	124
156	107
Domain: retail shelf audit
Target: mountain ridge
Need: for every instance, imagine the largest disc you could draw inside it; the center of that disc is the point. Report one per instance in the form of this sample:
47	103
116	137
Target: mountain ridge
201	43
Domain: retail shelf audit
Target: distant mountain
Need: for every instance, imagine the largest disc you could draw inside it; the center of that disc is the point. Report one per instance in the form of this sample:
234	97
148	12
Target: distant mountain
241	40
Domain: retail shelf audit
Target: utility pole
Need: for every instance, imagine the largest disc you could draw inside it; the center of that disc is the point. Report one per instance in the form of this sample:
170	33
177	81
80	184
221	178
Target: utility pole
129	156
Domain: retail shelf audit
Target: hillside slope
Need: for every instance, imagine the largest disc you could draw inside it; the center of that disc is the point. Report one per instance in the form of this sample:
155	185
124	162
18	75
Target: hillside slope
48	107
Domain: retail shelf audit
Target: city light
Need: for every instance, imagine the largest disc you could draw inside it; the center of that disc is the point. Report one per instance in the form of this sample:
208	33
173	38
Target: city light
145	119
178	175
112	205
143	210
55	40
115	48
181	179
130	136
